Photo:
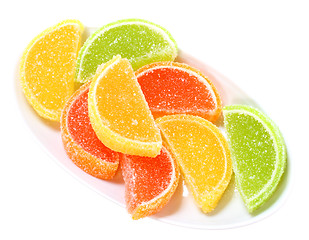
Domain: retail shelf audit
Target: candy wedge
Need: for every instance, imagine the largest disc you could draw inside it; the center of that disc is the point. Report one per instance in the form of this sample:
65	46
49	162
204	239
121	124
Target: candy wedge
119	113
149	182
140	41
202	154
176	88
258	153
47	68
80	141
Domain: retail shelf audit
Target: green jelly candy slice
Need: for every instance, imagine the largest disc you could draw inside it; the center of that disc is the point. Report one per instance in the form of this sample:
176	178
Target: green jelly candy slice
140	41
258	153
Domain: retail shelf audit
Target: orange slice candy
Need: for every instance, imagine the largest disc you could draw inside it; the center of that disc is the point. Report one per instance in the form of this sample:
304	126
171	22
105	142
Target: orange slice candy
47	68
202	154
80	141
119	113
149	182
175	88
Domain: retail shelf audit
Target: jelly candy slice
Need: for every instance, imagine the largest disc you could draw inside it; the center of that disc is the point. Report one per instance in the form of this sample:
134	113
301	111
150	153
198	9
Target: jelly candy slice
119	112
258	153
80	141
202	154
149	182
47	68
175	88
140	41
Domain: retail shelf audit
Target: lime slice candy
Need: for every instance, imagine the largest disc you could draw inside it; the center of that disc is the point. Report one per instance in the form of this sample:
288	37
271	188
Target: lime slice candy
258	153
139	41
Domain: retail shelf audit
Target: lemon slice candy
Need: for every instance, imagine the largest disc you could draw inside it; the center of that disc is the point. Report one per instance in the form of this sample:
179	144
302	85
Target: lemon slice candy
202	154
119	113
47	68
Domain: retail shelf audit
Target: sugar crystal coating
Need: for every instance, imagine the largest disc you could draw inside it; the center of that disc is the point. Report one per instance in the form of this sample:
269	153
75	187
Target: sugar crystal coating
149	182
202	154
140	41
119	112
48	66
175	88
80	141
82	133
258	153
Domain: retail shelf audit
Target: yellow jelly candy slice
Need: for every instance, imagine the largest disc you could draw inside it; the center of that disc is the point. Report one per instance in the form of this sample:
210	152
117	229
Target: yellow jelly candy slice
202	154
119	112
47	68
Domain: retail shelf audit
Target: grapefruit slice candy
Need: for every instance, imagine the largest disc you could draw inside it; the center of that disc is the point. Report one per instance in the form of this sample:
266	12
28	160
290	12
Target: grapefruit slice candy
80	141
119	113
176	88
47	68
140	41
258	153
149	182
202	154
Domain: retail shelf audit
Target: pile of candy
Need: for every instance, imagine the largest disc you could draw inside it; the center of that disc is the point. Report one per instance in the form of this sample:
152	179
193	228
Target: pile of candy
155	118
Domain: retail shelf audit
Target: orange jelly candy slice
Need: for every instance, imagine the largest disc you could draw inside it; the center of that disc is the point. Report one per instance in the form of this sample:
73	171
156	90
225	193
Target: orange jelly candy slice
80	141
175	88
149	182
47	68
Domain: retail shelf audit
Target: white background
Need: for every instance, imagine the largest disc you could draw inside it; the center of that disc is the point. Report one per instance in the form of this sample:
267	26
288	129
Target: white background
262	46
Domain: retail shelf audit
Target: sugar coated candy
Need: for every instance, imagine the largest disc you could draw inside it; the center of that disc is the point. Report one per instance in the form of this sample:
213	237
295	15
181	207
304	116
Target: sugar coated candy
140	41
176	88
202	154
258	153
149	182
47	68
154	117
80	141
119	113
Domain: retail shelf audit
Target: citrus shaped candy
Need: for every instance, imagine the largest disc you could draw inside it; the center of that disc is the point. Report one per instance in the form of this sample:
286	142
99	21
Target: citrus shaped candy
47	68
80	141
258	153
140	41
202	154
175	88
149	182
119	113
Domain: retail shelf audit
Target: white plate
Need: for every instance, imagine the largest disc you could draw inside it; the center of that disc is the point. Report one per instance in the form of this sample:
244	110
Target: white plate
181	210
